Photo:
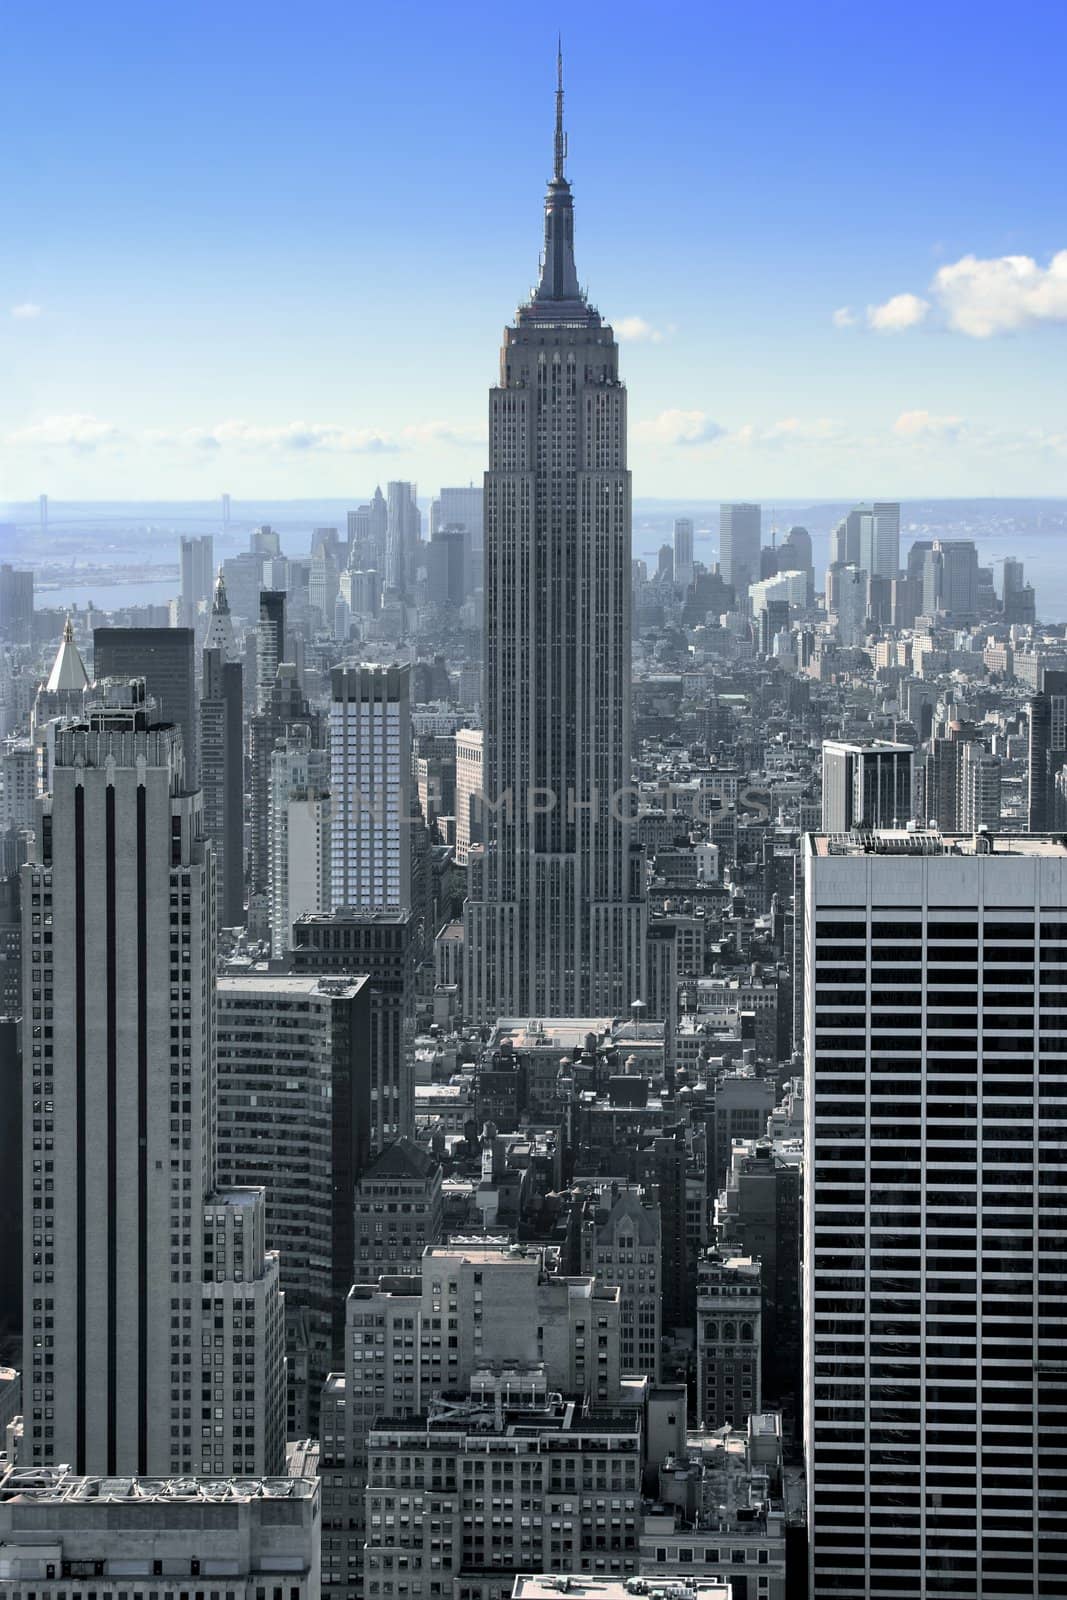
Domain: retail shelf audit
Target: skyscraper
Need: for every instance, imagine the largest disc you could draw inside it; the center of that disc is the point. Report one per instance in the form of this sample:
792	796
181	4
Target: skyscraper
270	644
197	571
866	785
222	765
739	546
143	1285
401	535
555	915
163	657
934	1300
370	786
683	551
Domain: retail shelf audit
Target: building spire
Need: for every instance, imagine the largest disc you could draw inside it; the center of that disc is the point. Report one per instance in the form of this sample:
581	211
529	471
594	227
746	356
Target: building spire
561	137
559	276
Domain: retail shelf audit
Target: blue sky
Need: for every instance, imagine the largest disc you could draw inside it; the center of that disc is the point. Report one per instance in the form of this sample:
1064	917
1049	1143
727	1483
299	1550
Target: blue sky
271	250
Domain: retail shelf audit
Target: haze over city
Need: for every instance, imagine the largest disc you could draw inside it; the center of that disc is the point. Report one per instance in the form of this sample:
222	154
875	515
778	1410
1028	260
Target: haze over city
533	804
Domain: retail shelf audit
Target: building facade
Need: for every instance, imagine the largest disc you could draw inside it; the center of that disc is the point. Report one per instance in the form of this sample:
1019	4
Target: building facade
936	1126
555	914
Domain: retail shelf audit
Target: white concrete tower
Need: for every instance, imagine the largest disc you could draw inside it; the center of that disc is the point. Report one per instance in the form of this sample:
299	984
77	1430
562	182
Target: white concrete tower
555	915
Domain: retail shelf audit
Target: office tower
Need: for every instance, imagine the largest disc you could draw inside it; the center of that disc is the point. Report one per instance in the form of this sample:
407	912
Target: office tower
879	539
1019	604
11	1152
867	785
222	777
729	1350
933	1285
773	620
469	754
465	508
197	571
398	1211
287	708
665	565
294	1115
757	1214
382	945
980	788
621	1248
950	579
555	914
447	560
796	551
521	1481
850	605
1047	752
739	547
683	551
298	833
370	785
164	658
270	644
741	1105
16	605
265	541
152	1284
402	531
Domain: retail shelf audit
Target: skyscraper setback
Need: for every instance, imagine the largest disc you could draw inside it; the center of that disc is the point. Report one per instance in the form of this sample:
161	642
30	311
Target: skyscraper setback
555	917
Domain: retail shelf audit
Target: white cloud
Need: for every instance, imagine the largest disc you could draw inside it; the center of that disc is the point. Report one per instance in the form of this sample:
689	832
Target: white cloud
26	311
845	317
635	330
900	312
981	298
790	430
679	428
924	425
327	437
73	431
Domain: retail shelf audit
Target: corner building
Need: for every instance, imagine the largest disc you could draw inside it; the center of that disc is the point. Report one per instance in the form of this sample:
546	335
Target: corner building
936	1215
555	917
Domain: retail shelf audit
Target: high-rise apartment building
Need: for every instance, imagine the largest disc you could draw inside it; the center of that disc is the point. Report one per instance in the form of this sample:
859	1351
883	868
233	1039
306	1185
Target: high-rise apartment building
555	914
739	546
683	551
294	1115
934	1301
163	657
299	833
1047	752
153	1313
867	785
370	785
197	572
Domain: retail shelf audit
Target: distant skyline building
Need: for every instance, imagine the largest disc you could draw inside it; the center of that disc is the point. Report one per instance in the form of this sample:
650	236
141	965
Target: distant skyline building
197	571
402	533
740	534
1047	752
555	914
683	551
270	644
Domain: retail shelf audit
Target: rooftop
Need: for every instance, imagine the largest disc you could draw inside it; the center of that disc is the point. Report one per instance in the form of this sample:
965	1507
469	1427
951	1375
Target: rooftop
931	842
49	1485
669	1586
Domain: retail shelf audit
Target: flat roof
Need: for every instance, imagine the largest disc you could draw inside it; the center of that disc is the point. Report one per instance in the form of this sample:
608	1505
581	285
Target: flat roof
285	985
931	842
679	1586
51	1485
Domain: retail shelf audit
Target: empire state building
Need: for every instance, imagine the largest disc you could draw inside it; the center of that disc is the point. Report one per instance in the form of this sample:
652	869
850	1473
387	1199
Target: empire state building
556	914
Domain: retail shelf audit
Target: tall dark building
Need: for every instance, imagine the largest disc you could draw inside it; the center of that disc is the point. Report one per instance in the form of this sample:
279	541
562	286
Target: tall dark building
164	658
270	643
222	778
1048	753
555	917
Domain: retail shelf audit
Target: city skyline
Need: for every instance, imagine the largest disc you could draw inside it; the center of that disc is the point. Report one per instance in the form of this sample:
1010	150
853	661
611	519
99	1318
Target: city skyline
266	262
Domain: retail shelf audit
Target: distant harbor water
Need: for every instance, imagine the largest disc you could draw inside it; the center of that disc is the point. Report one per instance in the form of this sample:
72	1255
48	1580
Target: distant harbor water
107	596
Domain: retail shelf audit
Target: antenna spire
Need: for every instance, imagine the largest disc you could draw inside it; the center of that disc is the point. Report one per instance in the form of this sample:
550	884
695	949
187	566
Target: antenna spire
561	137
